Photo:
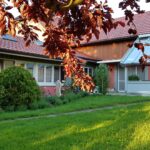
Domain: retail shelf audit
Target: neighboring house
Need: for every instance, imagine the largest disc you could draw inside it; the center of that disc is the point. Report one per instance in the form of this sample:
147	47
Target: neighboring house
113	50
45	71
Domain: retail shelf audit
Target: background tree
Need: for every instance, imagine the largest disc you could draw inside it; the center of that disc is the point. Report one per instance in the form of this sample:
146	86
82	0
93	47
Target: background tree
101	78
66	23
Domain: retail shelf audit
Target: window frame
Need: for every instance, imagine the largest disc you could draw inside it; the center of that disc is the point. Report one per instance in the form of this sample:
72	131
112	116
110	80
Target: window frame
137	73
88	68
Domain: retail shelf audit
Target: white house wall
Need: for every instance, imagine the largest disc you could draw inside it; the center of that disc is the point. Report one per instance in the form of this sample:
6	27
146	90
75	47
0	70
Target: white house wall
141	87
5	63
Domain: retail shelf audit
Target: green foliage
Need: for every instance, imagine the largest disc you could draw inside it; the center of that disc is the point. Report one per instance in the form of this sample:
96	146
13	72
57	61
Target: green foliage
70	95
101	78
54	100
42	103
133	78
18	88
67	97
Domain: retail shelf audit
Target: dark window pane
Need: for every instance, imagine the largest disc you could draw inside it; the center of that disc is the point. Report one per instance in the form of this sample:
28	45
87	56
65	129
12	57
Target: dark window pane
90	71
86	70
30	68
56	73
131	71
41	73
62	74
49	74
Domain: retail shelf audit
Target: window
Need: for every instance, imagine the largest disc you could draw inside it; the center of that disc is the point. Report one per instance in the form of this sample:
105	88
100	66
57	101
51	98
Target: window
131	70
30	68
44	74
62	74
20	64
89	70
9	37
56	73
143	74
49	74
86	70
8	63
38	42
40	73
137	70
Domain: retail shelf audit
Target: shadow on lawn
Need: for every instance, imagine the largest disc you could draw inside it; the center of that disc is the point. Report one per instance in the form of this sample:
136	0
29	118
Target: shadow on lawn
112	130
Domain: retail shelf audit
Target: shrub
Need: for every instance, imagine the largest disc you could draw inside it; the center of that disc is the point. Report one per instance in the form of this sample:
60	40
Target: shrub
54	100
67	97
101	78
42	103
70	95
18	88
133	78
83	94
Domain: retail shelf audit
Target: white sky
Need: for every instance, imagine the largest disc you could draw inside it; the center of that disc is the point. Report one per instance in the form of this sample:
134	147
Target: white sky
119	13
114	4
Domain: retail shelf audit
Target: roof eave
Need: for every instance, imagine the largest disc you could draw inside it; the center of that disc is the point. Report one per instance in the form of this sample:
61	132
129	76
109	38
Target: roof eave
27	55
109	61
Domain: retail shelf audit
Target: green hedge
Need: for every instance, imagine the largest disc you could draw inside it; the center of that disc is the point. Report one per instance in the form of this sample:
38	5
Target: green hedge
17	89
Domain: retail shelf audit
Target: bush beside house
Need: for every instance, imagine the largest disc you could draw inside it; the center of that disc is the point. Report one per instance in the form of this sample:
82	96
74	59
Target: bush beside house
101	78
18	89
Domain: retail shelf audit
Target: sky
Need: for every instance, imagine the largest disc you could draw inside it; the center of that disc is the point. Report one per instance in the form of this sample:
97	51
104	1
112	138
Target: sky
114	5
119	13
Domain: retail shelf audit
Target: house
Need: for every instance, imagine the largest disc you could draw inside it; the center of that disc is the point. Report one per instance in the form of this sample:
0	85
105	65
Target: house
45	71
130	61
112	49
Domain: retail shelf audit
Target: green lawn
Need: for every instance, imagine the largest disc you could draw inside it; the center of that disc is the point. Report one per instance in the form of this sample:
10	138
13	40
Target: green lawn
84	103
125	128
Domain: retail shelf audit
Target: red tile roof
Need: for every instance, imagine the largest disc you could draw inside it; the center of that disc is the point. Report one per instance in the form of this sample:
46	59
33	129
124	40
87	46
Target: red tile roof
142	22
18	45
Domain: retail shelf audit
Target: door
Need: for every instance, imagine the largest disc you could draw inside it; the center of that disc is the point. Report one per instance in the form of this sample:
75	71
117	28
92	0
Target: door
121	79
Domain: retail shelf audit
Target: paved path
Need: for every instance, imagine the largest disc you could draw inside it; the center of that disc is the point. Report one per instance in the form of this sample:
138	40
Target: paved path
76	112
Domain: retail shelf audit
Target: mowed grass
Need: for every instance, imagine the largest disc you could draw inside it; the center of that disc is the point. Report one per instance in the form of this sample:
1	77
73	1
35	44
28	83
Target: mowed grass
126	128
80	104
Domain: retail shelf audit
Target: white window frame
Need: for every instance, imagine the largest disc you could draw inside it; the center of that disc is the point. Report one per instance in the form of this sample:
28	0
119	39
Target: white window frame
136	71
88	68
52	83
45	69
59	72
35	70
